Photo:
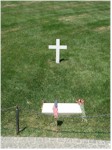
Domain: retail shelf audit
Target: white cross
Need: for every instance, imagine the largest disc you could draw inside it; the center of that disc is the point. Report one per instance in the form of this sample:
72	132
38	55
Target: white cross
57	47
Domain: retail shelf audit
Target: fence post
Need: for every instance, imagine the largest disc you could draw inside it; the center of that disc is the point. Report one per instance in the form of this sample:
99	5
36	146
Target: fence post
17	120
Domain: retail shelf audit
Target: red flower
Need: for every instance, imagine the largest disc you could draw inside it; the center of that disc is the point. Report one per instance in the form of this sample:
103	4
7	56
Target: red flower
80	101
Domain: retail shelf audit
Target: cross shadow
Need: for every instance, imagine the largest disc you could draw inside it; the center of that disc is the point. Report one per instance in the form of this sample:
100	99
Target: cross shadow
59	122
63	59
54	60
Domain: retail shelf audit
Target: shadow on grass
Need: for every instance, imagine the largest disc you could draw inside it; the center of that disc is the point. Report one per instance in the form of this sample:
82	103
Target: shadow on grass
63	59
59	122
20	130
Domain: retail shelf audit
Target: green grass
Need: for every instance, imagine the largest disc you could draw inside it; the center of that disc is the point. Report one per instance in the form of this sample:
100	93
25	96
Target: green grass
29	71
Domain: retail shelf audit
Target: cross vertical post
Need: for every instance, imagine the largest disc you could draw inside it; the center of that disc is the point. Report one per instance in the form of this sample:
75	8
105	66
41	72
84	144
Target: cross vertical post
58	51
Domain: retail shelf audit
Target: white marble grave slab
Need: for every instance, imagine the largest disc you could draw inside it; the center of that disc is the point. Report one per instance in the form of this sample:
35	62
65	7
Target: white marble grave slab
63	108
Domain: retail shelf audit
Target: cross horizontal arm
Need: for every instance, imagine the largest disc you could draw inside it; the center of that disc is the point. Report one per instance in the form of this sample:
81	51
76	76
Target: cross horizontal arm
52	47
63	47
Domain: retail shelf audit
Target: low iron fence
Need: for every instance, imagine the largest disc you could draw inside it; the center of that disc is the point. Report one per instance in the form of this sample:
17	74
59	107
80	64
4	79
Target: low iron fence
19	121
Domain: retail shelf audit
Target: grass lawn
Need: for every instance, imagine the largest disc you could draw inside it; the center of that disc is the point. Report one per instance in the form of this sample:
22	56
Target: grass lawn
30	74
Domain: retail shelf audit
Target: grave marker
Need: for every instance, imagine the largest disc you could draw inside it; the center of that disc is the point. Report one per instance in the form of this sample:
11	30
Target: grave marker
58	47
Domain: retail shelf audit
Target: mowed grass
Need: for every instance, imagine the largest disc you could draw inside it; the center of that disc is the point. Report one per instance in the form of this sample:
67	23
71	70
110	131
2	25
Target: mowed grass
29	71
